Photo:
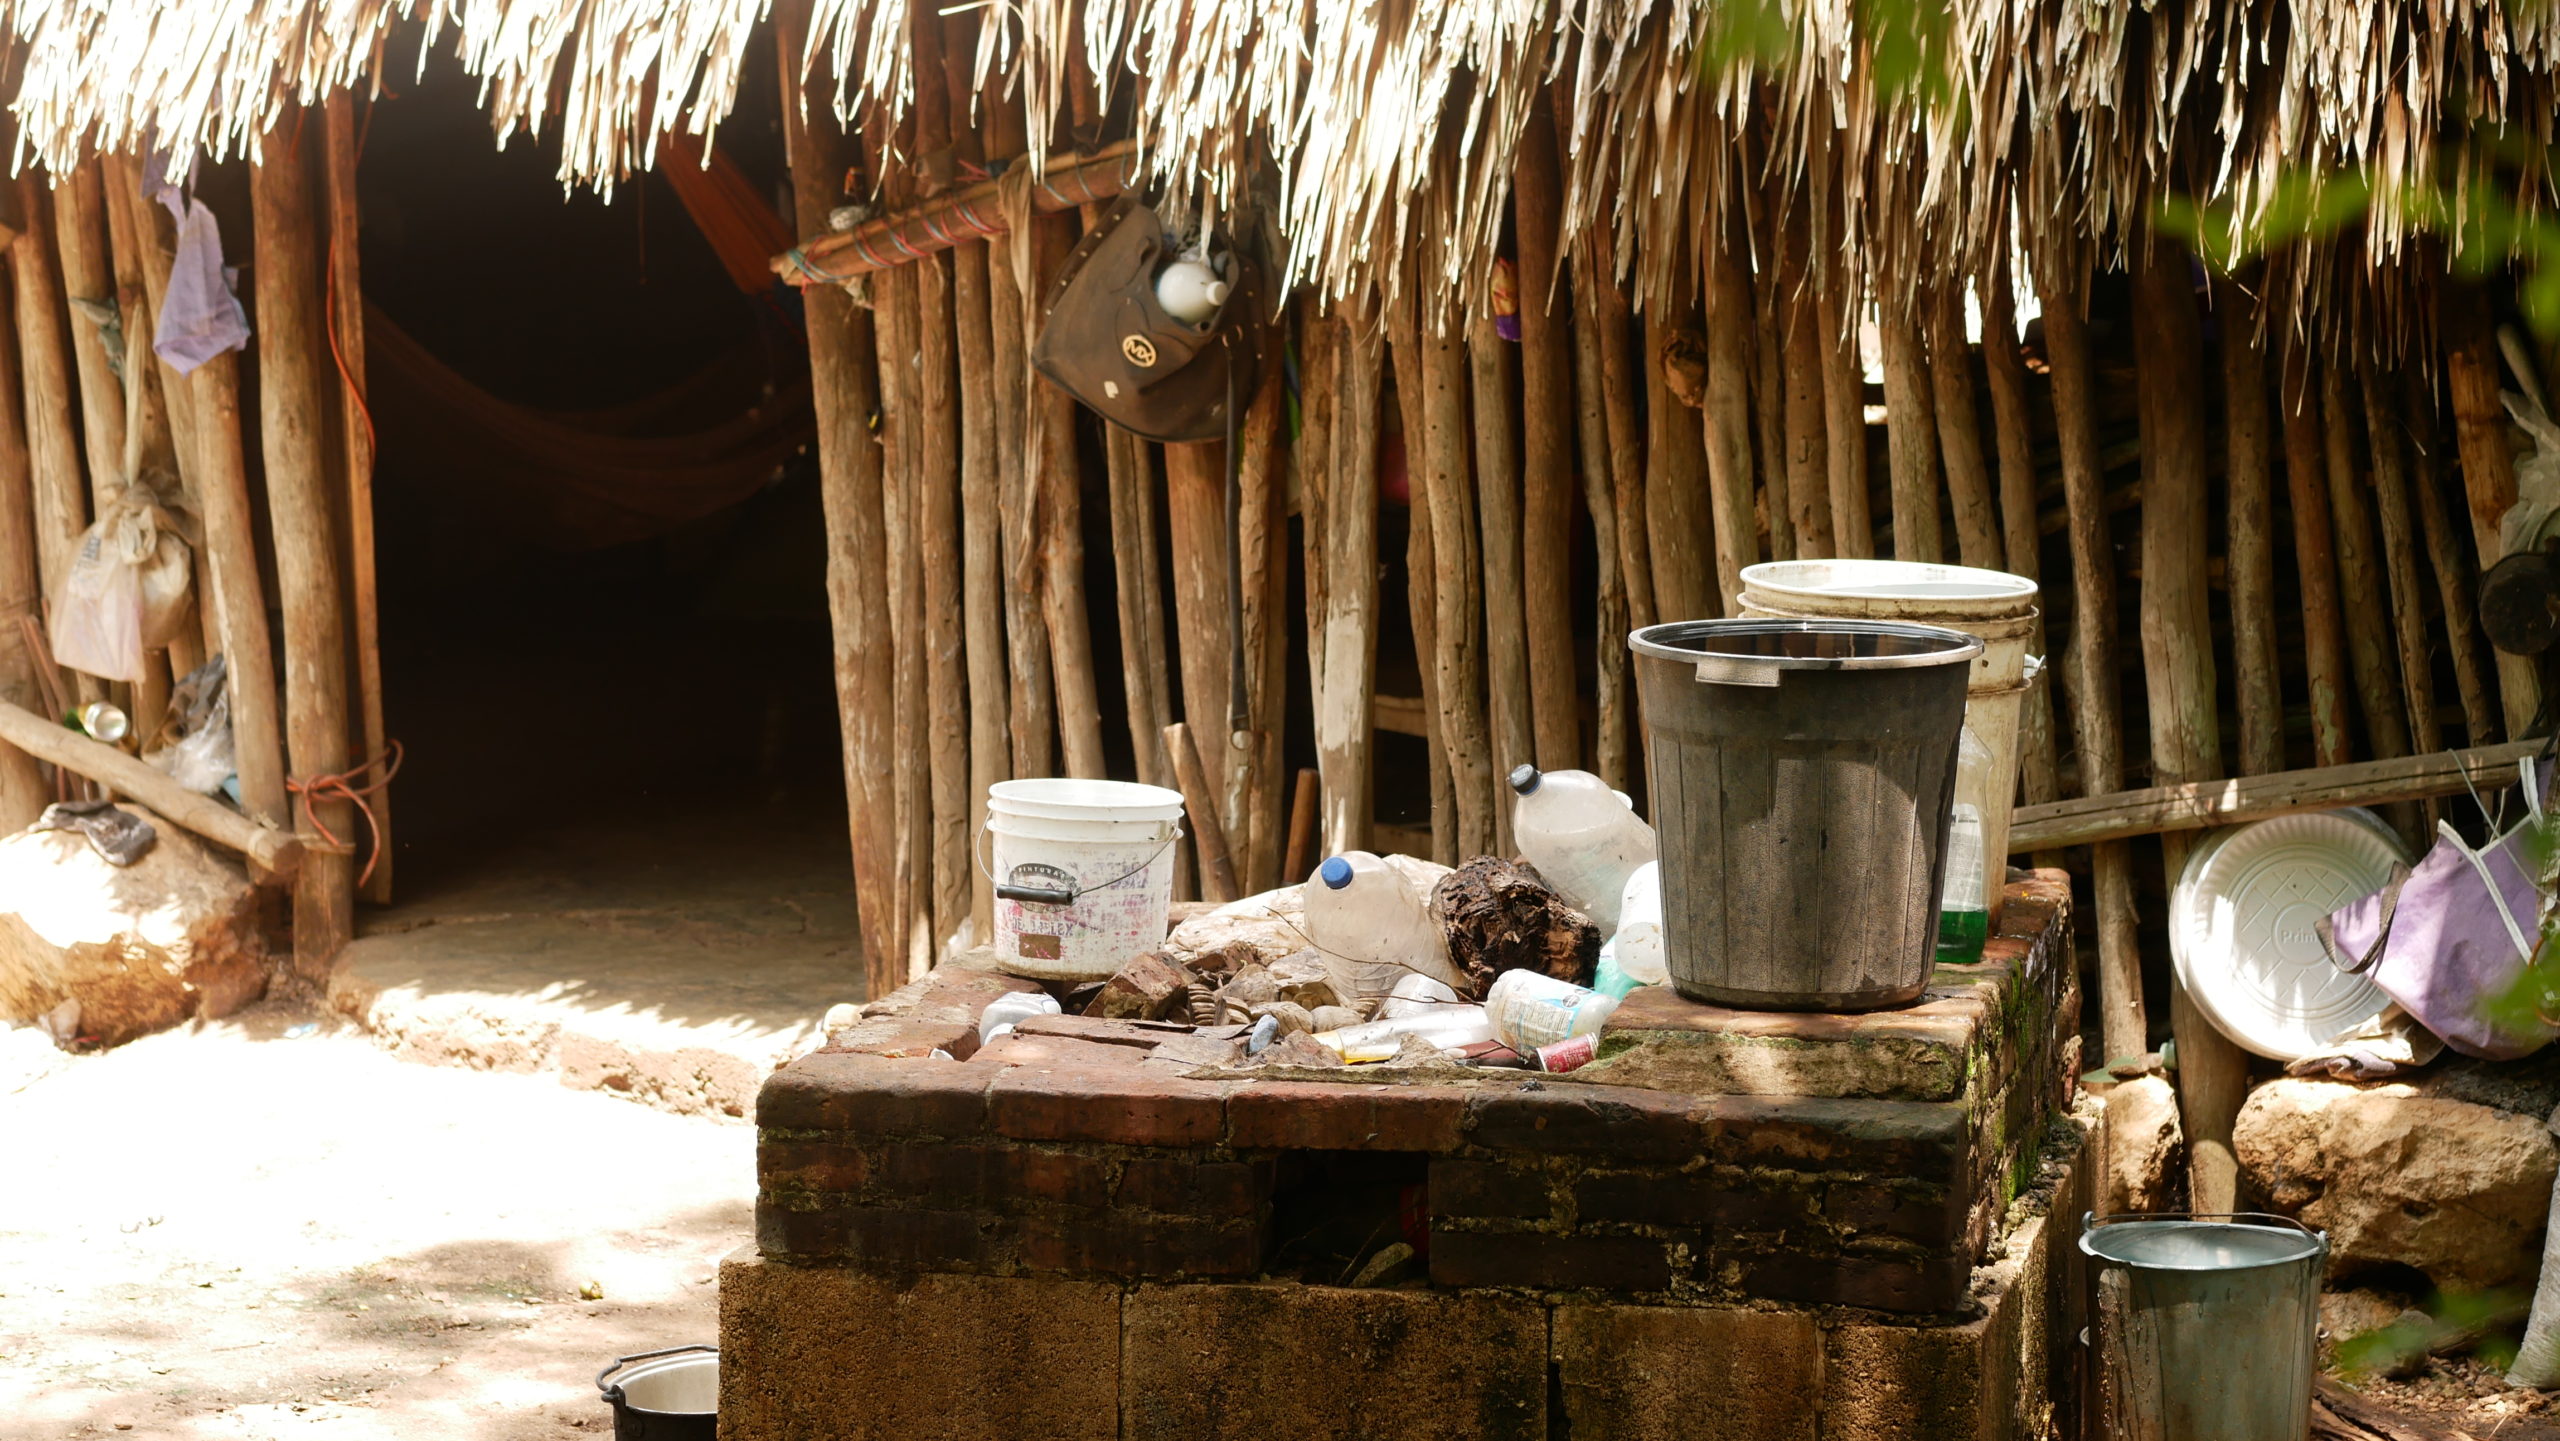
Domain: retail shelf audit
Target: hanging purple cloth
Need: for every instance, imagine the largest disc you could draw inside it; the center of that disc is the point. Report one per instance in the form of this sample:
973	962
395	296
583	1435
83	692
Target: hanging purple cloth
2452	940
199	316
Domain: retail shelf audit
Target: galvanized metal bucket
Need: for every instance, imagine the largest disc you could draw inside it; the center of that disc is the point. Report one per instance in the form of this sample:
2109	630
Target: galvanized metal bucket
2205	1325
670	1395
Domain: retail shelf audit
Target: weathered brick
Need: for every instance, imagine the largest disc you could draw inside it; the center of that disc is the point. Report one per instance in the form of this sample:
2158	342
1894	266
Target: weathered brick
1887	1138
1124	1105
875	1096
913	1039
811	1352
1315	1116
882	1237
1933	1215
1254	1362
1058	1052
1187	1186
1461	1187
1768	1207
805	1165
1631	1124
1913	1285
1699	1373
992	1174
1144	989
1125	1244
1654	1198
1548	1263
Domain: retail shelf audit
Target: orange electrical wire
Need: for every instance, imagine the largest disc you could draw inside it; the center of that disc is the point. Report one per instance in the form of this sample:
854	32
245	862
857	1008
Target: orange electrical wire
341	786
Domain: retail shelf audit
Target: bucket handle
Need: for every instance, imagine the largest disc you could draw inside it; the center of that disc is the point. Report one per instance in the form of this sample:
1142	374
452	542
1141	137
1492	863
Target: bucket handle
614	1393
1054	895
2091	1220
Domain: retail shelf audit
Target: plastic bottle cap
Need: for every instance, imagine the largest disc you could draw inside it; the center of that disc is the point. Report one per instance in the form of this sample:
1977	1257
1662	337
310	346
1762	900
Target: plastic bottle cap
1335	873
1524	779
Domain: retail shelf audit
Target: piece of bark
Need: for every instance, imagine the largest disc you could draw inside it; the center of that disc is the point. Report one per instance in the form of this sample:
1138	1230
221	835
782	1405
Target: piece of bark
1501	916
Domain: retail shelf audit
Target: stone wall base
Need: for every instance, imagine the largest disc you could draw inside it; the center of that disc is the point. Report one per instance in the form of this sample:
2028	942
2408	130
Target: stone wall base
814	1353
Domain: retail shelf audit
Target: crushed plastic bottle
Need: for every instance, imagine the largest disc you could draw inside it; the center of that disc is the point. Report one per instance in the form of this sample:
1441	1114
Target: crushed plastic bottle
1373	926
1530	1010
1584	838
1447	1027
1417	995
1011	1009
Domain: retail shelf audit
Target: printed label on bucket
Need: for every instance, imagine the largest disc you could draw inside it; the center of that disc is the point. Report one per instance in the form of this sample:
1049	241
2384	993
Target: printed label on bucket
1033	946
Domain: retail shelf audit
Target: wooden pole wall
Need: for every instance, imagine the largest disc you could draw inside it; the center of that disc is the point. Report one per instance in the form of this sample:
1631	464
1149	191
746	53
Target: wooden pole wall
355	425
1547	453
23	792
293	404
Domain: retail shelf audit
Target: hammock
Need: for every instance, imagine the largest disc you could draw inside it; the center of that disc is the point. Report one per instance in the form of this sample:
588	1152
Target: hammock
580	480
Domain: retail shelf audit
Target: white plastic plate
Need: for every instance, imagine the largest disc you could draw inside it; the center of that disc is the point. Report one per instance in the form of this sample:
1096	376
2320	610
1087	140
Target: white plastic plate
2241	927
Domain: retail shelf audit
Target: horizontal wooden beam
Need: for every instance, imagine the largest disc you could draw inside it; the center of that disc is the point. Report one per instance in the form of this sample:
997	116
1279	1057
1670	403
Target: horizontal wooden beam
973	213
274	851
2200	804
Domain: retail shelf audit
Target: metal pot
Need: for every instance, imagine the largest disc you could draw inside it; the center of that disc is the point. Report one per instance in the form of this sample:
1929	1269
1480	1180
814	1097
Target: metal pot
670	1395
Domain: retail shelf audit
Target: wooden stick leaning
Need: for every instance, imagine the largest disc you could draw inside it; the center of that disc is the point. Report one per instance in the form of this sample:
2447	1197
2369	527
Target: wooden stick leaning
2251	547
276	852
2474	679
1509	723
346	325
2324	635
1217	868
1959	424
2200	805
1730	318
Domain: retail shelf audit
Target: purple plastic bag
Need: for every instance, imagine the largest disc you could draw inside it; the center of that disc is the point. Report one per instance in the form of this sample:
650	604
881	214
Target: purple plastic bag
2452	937
200	317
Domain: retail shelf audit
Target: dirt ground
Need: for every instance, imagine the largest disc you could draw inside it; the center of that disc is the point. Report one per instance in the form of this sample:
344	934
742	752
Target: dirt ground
243	1233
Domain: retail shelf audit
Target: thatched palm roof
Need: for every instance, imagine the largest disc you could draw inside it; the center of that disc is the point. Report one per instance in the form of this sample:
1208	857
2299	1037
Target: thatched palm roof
1382	133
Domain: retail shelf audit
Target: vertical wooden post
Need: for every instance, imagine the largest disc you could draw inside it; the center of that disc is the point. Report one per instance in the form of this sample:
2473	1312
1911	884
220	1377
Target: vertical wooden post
1032	710
1612	745
1348	697
1730	318
1808	451
2123	1025
1313	457
1130	473
2454	580
1457	596
1255	786
1497	480
893	312
1959	422
2406	599
1911	430
346	337
1062	546
2359	571
2251	549
982	557
2022	537
23	792
291	429
1676	476
844	380
1199	798
1422	561
2306	476
1844	411
87	276
1769	401
2213	1073
239	591
940	547
1611	332
1196	515
44	346
2488	466
1547	450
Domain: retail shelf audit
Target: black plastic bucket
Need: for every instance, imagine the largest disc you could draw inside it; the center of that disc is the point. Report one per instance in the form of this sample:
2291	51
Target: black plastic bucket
1801	775
670	1395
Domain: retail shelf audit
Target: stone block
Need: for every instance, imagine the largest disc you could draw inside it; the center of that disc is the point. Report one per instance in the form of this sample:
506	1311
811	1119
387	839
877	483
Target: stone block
1057	1052
1908	1282
1254	1362
881	1238
1135	1246
1488	1189
1907	1383
1320	1116
830	1354
874	1095
1125	1105
1881	1138
1145	989
1688	1373
1182	1185
1620	1121
1661	1040
1539	1261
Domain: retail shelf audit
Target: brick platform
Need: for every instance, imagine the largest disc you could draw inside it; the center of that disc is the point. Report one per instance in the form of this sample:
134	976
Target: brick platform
1711	1164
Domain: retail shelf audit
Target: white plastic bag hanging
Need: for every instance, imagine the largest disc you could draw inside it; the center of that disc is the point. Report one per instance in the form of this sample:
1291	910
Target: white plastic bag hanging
130	589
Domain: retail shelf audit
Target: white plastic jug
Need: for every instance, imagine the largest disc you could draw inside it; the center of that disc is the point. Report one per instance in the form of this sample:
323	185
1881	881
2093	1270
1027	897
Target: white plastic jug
1365	917
1190	291
1530	1009
1583	837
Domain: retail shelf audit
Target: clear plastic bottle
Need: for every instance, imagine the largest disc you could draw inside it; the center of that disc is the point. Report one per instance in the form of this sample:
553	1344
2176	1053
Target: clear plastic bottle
1583	837
1638	944
1530	1010
1964	909
1373	927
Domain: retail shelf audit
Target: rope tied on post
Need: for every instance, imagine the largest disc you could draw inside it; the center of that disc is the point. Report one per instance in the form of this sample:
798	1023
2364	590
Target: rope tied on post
344	785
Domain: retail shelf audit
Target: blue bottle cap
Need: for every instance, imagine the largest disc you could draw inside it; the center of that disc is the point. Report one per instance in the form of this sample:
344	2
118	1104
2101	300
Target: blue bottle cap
1335	873
1524	779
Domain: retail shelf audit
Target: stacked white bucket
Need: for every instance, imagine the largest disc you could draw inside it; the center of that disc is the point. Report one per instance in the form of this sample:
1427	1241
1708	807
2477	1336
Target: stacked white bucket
1108	842
1995	606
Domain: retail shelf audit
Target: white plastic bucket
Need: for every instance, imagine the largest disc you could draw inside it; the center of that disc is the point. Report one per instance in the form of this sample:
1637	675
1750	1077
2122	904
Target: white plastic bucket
1992	605
1092	865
